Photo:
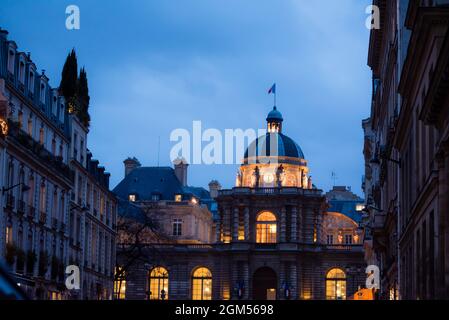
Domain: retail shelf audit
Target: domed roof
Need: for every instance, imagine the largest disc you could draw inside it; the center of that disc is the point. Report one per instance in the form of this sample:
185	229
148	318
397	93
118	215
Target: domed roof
275	115
286	147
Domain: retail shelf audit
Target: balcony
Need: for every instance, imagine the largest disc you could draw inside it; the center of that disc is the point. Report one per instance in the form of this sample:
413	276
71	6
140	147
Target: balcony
270	191
37	150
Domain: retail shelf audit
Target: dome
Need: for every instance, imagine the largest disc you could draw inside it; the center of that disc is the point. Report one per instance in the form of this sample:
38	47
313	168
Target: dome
275	115
286	146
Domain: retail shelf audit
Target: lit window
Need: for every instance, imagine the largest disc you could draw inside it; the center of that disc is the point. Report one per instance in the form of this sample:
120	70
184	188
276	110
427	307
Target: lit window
177	227
8	235
348	238
359	207
158	284
132	197
202	284
120	284
178	197
266	228
30	126
336	285
194	200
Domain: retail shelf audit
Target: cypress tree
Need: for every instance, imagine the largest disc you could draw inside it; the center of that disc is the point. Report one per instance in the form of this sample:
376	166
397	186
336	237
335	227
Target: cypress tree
68	86
83	96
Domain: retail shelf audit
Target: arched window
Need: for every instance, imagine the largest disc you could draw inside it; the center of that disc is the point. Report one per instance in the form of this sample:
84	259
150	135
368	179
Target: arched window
158	284
202	284
266	228
336	285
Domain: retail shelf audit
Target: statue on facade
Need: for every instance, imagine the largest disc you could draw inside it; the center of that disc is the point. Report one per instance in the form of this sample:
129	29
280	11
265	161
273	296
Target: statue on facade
257	177
279	175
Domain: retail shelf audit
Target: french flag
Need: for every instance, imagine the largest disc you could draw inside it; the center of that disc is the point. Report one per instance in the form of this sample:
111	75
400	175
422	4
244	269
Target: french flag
272	89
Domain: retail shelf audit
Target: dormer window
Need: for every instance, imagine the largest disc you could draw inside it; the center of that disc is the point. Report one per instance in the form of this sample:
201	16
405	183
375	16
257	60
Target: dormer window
22	72
178	197
11	57
31	82
54	106
42	97
155	197
194	200
132	197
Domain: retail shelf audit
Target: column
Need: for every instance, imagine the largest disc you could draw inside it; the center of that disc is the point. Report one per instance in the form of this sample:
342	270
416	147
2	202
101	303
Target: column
283	224
234	281
247	236
218	231
227	225
301	225
280	293
235	233
294	235
293	281
246	279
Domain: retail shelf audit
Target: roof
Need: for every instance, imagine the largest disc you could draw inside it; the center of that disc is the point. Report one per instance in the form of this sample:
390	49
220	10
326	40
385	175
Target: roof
146	181
286	147
275	115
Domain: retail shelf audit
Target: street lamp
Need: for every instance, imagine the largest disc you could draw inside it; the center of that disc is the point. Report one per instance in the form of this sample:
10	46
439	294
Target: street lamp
24	188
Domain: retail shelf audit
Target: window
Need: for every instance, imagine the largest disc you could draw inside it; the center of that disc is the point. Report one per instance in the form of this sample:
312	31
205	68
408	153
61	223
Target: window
22	72
330	239
266	229
348	238
42	92
119	284
30	126
41	136
155	197
177	227
132	197
202	284
43	197
11	61
336	285
178	197
31	83
359	207
158	284
9	235
54	105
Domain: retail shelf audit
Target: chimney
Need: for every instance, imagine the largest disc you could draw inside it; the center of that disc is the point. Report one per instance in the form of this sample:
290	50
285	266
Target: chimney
130	165
214	186
181	170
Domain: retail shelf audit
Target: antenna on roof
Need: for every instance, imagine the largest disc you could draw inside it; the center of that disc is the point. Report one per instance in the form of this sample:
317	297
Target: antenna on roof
334	177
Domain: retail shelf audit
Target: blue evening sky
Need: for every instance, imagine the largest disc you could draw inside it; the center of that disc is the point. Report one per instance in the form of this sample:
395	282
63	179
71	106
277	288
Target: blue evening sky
154	66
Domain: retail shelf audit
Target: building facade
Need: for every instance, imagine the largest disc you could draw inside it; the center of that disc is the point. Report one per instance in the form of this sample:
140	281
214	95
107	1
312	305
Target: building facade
271	237
406	234
41	229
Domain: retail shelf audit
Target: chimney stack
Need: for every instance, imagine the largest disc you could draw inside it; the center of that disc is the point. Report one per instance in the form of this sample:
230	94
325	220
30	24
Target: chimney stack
181	170
131	164
214	187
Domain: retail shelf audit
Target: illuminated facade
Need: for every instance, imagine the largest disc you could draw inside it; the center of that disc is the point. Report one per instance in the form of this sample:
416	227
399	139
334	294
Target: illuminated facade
270	235
48	217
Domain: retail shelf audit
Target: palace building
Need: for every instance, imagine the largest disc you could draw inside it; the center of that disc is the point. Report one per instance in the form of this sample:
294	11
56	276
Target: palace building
270	237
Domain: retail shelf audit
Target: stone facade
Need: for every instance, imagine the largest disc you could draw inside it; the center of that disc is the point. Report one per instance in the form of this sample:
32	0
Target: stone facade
270	240
405	150
44	168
